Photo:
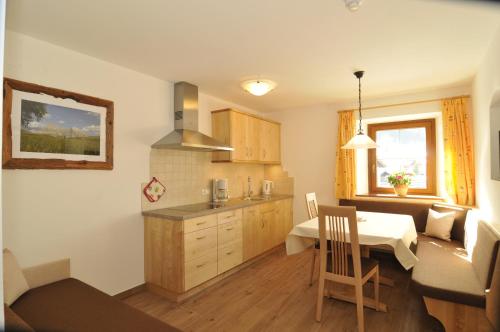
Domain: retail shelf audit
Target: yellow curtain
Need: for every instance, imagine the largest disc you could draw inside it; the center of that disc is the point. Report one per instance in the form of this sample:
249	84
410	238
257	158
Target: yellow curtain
345	177
458	151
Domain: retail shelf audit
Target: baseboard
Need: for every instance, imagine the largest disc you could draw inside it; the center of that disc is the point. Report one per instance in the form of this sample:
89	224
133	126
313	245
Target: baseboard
130	292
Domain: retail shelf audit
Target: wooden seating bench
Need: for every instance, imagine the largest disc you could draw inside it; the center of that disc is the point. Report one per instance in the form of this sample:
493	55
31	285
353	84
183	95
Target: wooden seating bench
457	279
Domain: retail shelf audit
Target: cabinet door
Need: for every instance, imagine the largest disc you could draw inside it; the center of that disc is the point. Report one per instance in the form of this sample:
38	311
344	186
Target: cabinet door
275	142
269	227
269	142
253	138
251	232
221	130
239	129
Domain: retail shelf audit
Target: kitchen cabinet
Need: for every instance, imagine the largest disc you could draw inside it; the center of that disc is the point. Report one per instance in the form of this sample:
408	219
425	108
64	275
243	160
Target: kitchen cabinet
270	142
254	139
265	226
180	255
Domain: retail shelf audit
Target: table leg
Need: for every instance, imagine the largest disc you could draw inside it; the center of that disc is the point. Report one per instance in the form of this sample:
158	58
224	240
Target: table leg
365	252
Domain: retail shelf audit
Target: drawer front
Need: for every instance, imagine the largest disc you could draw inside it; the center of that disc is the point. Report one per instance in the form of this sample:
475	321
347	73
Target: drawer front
230	232
200	269
230	256
197	243
195	224
229	216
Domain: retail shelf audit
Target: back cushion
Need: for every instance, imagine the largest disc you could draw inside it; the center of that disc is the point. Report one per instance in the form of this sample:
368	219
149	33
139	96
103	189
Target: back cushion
483	252
458	229
418	210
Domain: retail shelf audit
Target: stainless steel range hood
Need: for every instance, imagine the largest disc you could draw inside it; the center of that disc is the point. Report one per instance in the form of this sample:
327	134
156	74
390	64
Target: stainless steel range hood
186	135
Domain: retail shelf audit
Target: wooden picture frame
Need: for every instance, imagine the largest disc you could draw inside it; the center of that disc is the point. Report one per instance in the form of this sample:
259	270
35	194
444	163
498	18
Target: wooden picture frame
82	148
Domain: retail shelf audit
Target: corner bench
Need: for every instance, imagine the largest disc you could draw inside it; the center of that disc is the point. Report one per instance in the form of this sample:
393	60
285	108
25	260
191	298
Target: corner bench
453	277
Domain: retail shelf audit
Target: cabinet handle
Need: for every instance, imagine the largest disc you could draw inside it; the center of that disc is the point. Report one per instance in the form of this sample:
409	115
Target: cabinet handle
200	223
200	265
229	229
201	237
229	252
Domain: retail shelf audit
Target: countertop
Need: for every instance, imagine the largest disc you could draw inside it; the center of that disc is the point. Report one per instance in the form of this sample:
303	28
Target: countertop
202	209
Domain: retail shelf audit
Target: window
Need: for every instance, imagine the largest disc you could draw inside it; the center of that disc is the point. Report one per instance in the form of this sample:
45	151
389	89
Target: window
403	146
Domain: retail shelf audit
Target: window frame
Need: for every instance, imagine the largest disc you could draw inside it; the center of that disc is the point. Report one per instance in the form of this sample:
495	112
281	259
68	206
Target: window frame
430	133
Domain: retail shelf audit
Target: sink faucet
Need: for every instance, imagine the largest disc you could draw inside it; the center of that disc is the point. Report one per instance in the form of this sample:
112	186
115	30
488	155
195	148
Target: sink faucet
249	189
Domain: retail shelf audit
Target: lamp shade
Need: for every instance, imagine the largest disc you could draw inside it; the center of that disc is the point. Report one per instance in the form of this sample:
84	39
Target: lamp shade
360	141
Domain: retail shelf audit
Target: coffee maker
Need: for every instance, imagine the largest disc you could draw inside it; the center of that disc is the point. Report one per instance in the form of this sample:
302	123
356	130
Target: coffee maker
220	192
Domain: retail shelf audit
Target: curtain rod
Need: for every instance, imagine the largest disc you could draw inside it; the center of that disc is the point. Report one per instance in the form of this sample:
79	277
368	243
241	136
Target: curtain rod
404	104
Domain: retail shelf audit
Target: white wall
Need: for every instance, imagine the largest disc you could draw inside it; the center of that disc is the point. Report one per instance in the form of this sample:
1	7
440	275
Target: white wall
93	217
486	87
309	138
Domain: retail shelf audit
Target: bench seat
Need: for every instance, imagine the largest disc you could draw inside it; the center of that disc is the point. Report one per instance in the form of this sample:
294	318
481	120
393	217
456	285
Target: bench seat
445	272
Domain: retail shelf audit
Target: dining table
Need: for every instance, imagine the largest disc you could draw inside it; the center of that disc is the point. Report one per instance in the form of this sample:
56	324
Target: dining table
374	229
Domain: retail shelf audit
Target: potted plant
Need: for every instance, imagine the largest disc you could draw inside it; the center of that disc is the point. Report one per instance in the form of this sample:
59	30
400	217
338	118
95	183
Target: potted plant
400	181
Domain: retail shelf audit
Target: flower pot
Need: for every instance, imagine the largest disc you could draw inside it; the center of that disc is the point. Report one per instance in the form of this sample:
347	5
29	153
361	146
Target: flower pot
401	189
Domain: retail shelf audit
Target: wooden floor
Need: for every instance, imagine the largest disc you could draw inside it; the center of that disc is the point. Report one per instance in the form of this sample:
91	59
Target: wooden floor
274	295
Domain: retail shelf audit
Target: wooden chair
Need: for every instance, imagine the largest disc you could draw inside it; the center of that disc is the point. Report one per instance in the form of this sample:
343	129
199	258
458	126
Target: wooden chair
312	209
340	266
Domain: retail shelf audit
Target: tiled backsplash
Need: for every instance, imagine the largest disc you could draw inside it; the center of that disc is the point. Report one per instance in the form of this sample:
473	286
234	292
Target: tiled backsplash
186	173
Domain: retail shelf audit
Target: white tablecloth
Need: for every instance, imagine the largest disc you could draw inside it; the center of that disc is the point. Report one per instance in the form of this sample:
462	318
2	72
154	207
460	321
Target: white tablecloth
395	230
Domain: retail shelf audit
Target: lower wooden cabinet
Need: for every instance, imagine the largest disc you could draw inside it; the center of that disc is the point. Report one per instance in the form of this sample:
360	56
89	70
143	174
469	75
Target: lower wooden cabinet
265	226
180	255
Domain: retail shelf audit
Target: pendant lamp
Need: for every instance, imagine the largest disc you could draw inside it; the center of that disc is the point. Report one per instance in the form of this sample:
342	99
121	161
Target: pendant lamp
360	140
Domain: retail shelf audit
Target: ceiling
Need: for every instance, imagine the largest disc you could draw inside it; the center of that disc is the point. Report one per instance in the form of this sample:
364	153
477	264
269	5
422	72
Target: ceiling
309	47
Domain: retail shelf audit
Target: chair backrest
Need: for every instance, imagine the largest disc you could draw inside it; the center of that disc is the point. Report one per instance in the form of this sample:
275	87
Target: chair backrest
312	205
338	224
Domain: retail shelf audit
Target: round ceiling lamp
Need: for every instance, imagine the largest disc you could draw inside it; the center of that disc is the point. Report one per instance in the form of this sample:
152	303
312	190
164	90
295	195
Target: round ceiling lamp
353	5
360	140
258	87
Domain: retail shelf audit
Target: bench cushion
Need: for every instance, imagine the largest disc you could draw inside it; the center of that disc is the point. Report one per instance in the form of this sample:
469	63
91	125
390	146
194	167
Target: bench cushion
444	272
415	208
71	305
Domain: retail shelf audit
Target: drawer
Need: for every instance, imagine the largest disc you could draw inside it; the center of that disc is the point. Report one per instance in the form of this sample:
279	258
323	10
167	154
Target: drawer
230	255
228	216
230	232
197	243
200	269
195	224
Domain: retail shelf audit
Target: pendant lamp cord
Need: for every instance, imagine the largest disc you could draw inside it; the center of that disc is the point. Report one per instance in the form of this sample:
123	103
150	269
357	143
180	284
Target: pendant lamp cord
360	131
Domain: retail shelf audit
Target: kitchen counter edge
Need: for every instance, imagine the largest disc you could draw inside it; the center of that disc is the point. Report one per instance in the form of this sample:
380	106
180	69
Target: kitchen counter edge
173	214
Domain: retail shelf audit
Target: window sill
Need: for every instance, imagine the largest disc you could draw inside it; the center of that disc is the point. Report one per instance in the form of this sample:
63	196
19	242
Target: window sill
393	196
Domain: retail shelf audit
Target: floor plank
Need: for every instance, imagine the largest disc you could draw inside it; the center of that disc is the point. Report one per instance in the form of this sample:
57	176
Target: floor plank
274	295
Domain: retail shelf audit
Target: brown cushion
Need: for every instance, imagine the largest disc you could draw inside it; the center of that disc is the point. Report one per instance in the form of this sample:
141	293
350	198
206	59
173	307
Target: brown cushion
71	305
493	296
367	264
14	323
418	210
445	273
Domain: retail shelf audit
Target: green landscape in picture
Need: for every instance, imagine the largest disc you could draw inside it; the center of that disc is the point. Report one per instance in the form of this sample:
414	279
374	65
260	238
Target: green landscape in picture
47	128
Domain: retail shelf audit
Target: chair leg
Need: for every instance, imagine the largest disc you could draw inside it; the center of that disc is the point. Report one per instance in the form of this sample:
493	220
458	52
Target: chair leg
376	286
312	266
359	306
321	294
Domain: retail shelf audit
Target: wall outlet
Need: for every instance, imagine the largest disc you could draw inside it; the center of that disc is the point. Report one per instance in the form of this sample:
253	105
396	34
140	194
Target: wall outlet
205	192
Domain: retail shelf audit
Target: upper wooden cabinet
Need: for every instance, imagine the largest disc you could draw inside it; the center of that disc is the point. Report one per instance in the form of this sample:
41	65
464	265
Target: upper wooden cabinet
254	139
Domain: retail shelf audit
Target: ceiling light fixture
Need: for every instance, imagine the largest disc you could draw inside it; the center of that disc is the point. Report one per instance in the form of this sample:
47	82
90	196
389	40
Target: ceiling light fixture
360	140
258	87
353	5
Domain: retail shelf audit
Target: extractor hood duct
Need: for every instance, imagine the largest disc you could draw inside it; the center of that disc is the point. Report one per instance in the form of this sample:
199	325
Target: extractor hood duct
186	135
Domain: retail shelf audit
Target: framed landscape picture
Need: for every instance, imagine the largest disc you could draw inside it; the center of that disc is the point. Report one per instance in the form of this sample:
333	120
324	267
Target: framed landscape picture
55	129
